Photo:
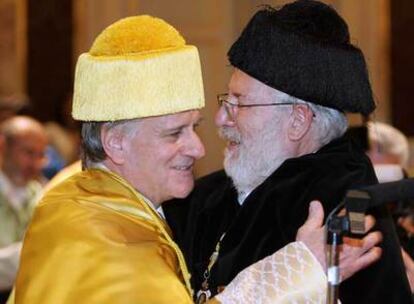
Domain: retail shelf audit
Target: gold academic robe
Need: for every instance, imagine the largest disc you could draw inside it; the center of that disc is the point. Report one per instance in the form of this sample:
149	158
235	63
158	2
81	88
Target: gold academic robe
94	239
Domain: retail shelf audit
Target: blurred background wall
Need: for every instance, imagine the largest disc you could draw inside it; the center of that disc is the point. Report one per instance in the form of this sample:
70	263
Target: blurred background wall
40	41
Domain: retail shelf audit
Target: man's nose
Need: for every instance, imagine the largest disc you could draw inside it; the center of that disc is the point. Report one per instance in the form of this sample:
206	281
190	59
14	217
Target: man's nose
223	118
195	147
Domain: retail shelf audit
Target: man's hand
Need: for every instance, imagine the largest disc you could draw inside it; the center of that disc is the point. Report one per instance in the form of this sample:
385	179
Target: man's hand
355	255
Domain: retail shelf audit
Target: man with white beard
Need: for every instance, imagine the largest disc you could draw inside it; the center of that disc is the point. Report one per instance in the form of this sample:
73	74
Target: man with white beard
296	74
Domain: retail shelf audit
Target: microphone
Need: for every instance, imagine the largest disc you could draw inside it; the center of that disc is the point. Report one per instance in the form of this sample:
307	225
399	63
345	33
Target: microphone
357	201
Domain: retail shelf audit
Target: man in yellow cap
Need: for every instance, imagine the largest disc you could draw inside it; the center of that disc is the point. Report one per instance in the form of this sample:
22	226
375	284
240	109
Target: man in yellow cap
99	237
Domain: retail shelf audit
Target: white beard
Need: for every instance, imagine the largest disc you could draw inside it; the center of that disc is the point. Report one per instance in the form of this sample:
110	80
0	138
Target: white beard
256	159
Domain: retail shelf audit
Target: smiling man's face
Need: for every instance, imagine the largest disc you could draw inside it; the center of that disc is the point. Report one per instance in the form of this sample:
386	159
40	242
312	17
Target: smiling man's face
256	138
160	155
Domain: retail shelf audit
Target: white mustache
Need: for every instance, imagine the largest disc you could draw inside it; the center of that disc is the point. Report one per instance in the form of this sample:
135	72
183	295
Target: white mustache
229	134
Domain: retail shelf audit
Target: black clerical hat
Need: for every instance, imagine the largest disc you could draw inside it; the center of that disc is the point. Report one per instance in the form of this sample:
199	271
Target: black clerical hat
304	50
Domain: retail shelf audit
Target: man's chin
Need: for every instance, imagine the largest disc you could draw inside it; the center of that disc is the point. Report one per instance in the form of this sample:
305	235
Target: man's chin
184	190
230	156
183	194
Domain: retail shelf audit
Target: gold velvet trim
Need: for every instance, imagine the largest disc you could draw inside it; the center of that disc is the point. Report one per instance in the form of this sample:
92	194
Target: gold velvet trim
137	85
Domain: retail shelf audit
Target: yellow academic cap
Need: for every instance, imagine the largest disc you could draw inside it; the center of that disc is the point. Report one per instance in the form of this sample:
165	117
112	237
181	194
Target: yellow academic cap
137	67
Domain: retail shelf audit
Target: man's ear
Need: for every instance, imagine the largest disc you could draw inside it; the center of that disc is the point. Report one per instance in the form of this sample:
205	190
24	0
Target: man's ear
300	121
113	144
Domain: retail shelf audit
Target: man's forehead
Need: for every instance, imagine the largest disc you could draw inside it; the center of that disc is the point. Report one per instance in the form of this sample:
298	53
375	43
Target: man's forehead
30	135
28	141
175	120
242	84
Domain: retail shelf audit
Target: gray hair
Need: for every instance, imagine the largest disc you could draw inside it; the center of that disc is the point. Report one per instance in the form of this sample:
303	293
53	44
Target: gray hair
91	143
328	123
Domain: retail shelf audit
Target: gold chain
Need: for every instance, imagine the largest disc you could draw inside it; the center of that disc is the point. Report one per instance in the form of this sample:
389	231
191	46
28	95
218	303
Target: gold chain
204	293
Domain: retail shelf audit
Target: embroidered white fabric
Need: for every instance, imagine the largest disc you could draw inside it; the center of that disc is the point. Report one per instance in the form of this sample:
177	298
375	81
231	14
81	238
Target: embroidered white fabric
291	275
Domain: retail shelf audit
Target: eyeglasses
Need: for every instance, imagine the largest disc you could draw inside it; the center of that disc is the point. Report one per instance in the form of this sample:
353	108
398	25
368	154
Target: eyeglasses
231	108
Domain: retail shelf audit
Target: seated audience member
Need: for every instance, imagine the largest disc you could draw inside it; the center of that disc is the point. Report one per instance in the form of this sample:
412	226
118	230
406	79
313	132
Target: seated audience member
23	152
388	150
98	236
62	150
12	105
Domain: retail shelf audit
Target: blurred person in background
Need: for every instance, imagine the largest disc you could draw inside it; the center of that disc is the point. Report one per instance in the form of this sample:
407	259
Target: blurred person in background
12	105
389	152
64	140
23	144
60	151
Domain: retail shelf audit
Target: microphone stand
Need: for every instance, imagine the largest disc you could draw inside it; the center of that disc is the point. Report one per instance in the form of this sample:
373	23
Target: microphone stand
337	226
356	203
353	221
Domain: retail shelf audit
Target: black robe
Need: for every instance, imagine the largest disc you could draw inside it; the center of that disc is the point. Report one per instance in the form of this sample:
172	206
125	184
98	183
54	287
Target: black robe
271	215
